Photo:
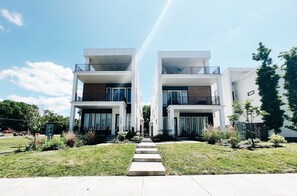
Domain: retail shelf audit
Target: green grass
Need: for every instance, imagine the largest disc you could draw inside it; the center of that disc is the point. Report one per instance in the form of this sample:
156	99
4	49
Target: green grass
84	161
202	158
13	143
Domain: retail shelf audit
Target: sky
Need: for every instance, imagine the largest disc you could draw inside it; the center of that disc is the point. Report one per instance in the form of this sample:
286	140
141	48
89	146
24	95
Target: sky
41	41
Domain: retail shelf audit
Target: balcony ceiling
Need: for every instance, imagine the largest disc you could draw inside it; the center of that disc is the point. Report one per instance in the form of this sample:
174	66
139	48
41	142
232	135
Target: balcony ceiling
182	62
188	80
111	59
106	77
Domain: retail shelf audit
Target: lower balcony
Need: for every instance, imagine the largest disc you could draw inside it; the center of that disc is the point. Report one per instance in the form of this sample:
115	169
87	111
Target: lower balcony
101	97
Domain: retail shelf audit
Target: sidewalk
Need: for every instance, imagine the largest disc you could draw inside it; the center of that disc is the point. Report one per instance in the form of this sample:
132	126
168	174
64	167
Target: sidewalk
249	185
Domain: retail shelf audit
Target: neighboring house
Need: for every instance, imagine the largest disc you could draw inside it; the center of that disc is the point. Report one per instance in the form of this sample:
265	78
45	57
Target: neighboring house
186	94
106	92
240	84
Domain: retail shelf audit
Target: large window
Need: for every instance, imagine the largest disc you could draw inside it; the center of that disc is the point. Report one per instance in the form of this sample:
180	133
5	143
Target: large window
118	94
188	124
200	124
182	124
193	124
108	94
175	97
128	121
97	121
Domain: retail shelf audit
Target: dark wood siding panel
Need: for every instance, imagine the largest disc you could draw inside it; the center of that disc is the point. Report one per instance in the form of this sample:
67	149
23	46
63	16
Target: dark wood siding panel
197	92
94	92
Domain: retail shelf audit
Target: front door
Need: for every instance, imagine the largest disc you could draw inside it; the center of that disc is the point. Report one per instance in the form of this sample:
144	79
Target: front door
175	126
117	122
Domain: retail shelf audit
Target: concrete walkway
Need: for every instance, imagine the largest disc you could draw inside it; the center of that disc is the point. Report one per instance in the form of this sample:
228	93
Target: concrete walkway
215	185
147	161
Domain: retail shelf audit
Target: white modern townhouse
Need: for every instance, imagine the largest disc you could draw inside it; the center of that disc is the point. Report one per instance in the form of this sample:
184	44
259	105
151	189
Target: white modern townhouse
106	92
187	94
240	84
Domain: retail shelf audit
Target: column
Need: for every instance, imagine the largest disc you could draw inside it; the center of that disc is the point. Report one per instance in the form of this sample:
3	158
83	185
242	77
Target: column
222	119
72	118
74	87
171	119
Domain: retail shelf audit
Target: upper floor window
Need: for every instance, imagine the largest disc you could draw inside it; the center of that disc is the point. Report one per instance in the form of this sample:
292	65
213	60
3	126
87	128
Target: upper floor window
175	97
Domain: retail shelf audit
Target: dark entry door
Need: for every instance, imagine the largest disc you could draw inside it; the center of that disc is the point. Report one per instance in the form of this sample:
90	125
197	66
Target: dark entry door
117	122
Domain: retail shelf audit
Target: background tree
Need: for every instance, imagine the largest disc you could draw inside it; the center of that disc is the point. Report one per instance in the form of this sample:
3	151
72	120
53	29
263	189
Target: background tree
249	112
146	110
62	123
290	77
33	120
267	81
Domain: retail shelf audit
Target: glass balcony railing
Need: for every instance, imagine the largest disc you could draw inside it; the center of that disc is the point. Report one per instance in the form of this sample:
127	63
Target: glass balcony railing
102	67
101	97
191	70
197	100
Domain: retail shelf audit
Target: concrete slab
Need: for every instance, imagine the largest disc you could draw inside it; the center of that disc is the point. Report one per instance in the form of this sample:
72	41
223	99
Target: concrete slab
147	158
279	183
146	151
171	186
221	185
147	169
146	145
146	140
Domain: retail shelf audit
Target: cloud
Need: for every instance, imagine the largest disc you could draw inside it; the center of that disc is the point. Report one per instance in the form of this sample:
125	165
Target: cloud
41	77
59	105
1	28
13	17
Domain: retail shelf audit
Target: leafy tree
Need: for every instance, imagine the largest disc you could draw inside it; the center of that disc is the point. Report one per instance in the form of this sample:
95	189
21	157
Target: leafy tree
61	121
33	120
249	112
290	77
267	81
146	110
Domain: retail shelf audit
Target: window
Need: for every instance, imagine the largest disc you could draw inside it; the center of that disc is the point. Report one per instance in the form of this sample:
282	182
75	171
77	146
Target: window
164	123
194	125
103	121
108	121
92	121
129	95
205	123
164	98
118	94
199	123
184	97
188	124
97	123
182	123
86	121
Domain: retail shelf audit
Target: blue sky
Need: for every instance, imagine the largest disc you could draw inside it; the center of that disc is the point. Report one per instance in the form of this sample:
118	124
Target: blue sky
40	41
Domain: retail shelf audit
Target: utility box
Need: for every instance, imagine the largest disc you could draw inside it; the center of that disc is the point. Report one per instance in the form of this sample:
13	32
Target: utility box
50	130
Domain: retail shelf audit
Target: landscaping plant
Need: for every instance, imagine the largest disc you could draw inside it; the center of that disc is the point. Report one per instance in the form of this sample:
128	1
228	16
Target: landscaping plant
276	140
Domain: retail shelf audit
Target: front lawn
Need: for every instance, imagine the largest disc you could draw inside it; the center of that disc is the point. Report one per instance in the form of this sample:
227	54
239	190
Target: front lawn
83	161
202	158
13	143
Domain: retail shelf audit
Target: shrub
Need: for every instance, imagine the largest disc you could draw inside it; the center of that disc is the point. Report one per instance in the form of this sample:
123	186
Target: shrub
277	140
257	141
232	137
164	136
130	135
70	139
80	140
137	139
234	141
122	136
212	135
53	144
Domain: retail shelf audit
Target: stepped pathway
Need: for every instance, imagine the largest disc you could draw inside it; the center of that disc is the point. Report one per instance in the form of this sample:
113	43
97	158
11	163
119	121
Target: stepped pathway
146	161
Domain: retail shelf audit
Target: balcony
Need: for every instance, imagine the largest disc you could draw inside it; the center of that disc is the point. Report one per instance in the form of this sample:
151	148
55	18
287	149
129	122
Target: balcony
100	97
197	100
191	70
102	67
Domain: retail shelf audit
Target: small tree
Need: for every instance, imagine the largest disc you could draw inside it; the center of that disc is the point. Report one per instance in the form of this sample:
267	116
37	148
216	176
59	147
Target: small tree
267	81
249	112
290	77
146	110
33	121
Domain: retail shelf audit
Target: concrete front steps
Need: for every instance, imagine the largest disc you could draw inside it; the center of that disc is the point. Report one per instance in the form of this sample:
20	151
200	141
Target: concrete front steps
147	161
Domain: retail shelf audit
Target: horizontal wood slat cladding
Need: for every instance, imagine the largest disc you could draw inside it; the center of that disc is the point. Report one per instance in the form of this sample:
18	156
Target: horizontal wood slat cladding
94	92
198	91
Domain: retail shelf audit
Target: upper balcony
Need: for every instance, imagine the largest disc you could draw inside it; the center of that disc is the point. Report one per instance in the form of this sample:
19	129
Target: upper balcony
191	70
102	67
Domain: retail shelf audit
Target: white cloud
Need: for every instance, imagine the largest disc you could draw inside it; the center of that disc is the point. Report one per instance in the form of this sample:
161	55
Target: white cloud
13	17
59	105
1	28
41	77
